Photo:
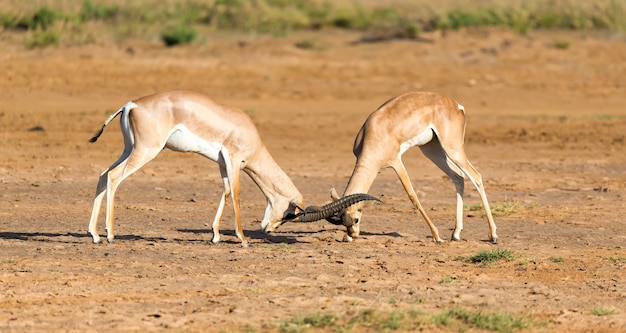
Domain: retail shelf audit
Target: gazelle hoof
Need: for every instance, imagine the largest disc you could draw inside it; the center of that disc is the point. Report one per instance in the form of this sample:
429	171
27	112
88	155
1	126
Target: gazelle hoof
494	240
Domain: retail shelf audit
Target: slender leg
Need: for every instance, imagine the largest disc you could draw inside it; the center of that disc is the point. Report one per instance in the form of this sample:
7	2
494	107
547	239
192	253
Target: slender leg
406	182
220	206
138	158
97	203
457	156
233	171
476	179
101	190
433	151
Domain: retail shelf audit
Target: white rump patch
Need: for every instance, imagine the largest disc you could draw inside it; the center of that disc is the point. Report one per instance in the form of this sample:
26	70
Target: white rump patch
417	140
183	140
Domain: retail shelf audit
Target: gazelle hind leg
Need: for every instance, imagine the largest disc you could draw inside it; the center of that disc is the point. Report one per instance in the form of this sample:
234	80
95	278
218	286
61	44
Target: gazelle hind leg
477	180
220	206
101	190
97	204
137	159
459	159
433	151
406	183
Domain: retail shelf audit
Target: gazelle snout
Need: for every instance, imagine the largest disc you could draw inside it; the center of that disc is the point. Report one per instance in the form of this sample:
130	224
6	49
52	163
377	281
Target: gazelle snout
351	219
271	227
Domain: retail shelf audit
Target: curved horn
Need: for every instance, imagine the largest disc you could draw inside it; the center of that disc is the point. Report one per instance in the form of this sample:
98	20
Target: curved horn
313	213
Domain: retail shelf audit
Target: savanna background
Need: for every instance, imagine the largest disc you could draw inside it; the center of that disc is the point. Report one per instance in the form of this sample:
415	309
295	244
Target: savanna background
544	87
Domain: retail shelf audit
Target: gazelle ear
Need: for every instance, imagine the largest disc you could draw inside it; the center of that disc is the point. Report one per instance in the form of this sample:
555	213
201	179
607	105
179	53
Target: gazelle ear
292	211
295	208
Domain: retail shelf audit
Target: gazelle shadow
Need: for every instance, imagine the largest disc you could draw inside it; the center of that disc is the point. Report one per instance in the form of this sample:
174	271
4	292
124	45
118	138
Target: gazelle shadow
75	238
287	237
250	234
43	236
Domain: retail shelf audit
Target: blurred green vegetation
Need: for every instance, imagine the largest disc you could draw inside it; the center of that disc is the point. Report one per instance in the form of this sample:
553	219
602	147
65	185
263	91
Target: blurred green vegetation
398	18
369	320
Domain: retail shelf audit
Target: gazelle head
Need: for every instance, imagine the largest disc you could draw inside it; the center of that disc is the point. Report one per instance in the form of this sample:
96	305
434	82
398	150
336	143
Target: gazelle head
278	213
351	218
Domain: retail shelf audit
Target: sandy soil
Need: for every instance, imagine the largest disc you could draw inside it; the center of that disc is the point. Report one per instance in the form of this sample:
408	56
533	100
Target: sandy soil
546	129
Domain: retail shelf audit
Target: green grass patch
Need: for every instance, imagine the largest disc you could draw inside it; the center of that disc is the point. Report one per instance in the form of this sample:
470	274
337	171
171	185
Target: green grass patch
42	39
561	44
489	257
506	208
98	11
284	246
447	280
8	20
370	320
557	259
395	19
311	44
278	247
43	18
494	322
526	261
621	259
502	209
249	329
600	312
178	35
301	324
604	116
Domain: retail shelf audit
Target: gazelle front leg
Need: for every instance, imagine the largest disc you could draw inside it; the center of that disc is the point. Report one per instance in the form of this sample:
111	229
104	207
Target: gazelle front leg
233	171
406	183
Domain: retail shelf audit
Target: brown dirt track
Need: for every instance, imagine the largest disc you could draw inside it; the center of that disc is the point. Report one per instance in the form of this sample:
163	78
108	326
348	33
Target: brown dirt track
546	129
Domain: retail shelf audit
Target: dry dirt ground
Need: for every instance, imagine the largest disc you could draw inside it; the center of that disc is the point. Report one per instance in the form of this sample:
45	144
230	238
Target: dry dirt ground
546	129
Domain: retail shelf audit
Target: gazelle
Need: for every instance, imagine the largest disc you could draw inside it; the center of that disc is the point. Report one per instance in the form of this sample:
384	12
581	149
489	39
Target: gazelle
191	122
434	123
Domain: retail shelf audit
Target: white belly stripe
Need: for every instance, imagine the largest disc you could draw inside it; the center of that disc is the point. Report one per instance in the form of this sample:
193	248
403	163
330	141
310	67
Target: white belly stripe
182	139
417	140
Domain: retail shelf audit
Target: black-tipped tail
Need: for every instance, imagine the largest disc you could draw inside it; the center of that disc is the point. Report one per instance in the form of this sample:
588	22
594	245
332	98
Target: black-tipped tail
97	135
126	108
